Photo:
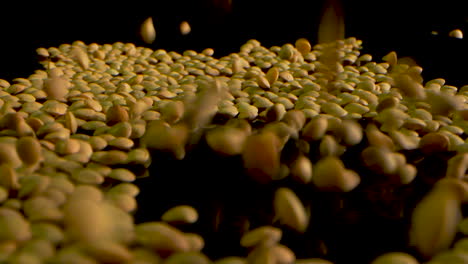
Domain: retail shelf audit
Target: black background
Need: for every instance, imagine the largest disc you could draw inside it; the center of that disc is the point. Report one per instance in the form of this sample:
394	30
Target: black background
403	26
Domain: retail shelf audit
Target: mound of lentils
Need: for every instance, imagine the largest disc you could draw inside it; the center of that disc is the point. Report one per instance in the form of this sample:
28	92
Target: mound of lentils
119	154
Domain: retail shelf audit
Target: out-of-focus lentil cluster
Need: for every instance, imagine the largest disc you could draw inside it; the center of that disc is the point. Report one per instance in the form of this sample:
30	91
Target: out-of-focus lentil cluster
76	134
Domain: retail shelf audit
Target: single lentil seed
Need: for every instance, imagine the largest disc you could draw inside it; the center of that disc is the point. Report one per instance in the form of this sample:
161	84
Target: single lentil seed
290	210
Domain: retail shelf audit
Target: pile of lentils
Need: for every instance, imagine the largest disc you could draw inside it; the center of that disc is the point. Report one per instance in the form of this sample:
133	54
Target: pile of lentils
295	154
